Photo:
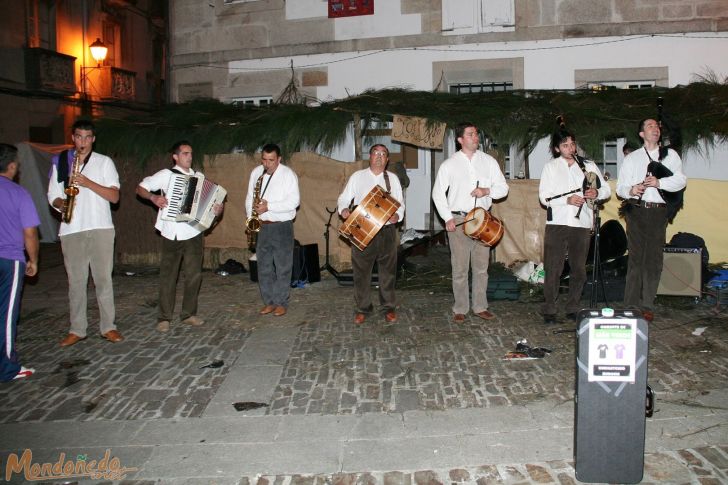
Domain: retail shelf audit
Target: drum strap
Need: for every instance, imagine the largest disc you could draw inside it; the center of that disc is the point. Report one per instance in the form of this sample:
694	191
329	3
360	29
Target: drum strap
386	182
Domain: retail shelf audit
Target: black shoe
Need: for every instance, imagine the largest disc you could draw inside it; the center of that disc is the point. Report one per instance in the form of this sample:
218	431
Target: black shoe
549	319
571	316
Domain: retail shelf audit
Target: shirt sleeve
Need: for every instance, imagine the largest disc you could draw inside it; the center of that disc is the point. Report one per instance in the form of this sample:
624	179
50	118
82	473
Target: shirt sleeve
499	186
55	188
289	197
397	193
439	196
625	175
347	195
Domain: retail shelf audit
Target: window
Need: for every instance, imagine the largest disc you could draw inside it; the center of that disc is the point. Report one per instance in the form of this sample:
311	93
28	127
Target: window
621	85
41	24
477	16
252	101
487	87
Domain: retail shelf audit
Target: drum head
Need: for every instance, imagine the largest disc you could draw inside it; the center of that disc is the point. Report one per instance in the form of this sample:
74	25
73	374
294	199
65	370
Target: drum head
478	216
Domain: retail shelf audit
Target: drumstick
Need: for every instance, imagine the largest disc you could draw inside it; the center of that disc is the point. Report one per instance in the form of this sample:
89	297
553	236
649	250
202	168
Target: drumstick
475	203
465	222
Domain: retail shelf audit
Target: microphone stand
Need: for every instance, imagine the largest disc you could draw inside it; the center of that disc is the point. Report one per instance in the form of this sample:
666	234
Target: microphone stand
597	274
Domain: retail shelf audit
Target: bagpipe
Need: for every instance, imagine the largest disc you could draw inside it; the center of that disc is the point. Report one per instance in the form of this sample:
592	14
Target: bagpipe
673	200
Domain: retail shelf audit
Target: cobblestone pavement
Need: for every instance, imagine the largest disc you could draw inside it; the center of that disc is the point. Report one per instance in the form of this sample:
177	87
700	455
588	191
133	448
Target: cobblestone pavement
705	466
423	362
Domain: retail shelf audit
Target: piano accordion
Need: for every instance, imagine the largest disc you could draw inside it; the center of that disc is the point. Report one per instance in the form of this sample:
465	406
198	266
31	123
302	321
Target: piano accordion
190	199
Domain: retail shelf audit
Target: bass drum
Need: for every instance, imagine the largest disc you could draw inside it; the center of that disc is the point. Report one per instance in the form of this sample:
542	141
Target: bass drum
484	227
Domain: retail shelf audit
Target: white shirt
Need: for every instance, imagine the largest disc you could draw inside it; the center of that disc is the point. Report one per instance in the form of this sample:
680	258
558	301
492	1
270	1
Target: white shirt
280	190
169	229
362	182
634	170
91	211
461	175
557	178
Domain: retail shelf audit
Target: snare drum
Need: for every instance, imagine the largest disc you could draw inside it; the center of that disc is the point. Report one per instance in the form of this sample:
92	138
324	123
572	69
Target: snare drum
368	218
483	227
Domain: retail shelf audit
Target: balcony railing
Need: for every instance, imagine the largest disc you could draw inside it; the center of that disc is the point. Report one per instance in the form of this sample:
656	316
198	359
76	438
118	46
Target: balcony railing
49	70
110	83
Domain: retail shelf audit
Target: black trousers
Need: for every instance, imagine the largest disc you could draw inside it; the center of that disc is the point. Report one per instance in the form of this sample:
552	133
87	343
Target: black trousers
558	242
383	250
646	230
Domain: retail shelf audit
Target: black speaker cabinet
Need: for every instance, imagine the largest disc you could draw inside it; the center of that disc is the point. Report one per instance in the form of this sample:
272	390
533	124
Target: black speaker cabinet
305	265
681	272
611	390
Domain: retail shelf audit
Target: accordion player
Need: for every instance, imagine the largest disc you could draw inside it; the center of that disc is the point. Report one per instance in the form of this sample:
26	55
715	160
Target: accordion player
190	199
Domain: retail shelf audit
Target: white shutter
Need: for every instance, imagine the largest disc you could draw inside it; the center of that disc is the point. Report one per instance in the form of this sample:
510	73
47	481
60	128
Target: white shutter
458	14
497	13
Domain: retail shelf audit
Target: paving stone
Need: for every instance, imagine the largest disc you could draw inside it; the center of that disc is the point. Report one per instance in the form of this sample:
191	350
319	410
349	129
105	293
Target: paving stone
538	474
396	478
427	477
459	475
714	457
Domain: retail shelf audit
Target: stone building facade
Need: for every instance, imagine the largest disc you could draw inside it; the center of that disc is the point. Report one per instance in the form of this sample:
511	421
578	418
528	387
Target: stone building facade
49	77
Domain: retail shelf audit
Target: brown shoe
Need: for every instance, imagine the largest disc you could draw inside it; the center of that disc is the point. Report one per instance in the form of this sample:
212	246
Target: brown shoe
71	339
458	318
279	311
163	326
267	309
194	320
390	316
359	318
113	336
485	315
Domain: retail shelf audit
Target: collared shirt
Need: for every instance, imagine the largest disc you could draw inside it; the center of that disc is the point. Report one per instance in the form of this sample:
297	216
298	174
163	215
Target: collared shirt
461	175
17	212
558	178
169	229
362	182
91	211
280	190
634	170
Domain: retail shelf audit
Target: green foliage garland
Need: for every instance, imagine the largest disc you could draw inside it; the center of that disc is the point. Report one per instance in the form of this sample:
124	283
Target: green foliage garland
695	115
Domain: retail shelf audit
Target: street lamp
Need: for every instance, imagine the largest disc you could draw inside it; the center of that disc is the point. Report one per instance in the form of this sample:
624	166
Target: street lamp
98	52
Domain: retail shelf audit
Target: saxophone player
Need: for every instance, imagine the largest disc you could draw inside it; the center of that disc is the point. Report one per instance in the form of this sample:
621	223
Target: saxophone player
275	207
87	239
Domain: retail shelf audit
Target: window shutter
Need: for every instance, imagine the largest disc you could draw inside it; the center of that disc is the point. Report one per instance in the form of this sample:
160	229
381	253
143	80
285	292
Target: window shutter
497	12
458	14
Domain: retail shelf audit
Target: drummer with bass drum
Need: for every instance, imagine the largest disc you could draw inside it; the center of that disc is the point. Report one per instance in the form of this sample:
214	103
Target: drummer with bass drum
569	188
467	180
382	247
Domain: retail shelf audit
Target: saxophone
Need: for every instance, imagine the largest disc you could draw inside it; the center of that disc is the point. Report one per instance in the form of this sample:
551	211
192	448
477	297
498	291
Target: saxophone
72	190
253	223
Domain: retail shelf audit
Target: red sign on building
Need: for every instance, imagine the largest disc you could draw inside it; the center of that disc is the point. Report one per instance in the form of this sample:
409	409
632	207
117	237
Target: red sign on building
350	8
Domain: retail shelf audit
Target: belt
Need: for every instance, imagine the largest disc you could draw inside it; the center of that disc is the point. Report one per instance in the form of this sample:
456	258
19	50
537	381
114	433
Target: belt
647	205
459	213
270	222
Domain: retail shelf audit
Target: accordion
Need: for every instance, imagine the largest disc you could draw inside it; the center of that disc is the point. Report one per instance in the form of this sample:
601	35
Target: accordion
190	199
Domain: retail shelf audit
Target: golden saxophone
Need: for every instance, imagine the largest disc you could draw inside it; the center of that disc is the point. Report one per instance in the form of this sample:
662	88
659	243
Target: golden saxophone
72	190
253	223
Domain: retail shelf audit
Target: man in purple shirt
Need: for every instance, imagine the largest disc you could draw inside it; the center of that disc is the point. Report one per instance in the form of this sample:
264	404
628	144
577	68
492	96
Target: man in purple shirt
18	229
